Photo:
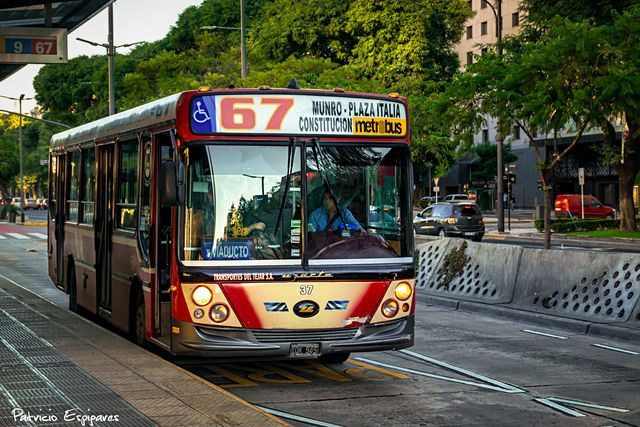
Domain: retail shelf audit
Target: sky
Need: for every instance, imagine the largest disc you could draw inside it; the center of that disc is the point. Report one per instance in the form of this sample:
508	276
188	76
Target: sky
133	21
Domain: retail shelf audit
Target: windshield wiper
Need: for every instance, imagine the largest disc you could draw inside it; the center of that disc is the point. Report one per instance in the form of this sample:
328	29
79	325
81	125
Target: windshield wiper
316	151
290	160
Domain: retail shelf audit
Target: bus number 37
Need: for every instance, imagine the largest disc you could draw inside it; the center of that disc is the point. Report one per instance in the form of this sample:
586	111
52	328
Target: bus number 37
306	290
239	112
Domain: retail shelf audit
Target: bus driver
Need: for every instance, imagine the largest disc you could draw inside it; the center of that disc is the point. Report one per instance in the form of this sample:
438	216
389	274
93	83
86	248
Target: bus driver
327	217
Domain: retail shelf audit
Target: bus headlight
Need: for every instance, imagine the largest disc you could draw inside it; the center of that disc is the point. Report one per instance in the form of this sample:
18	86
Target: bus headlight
403	291
219	313
389	308
201	295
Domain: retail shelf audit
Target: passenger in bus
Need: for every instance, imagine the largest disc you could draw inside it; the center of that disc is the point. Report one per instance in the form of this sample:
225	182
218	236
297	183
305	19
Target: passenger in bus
327	217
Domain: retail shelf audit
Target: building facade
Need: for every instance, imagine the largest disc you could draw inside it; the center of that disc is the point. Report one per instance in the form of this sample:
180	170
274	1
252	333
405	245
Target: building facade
601	178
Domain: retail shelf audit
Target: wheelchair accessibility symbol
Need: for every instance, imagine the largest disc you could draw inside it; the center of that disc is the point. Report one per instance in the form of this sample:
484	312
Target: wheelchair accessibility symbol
200	115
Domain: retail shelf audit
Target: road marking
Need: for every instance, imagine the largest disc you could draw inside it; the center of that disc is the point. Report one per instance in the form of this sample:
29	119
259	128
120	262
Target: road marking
39	235
18	235
588	404
544	334
295	417
555	403
2	237
557	407
463	371
438	377
360	372
621	350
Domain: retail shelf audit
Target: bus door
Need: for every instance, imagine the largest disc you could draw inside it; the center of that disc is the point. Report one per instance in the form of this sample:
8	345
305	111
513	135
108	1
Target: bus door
104	227
164	242
56	211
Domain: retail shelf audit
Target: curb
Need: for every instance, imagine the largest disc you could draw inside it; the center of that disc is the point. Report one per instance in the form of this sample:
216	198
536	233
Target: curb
627	333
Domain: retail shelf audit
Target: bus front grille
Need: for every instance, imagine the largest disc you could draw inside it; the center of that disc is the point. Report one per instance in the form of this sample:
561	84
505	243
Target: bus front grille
276	336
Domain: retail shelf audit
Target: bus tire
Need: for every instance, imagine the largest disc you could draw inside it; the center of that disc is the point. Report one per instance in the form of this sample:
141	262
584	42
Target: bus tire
334	358
138	327
73	289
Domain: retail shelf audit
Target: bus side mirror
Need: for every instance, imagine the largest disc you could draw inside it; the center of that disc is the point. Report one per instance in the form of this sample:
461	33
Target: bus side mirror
171	184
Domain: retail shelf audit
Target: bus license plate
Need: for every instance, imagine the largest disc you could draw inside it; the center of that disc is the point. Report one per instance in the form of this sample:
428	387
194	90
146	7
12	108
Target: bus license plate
304	350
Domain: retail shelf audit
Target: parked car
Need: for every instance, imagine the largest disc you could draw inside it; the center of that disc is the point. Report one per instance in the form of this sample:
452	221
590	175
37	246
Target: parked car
568	206
15	201
426	201
30	203
42	204
456	198
451	219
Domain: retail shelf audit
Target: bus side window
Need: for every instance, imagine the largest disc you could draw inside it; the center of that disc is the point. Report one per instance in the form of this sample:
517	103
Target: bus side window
126	211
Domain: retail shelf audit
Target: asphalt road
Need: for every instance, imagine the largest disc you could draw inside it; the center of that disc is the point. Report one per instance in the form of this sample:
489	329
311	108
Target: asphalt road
465	369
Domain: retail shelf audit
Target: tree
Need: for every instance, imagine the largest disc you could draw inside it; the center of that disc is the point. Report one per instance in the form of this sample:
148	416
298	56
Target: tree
312	28
378	47
542	87
487	152
616	82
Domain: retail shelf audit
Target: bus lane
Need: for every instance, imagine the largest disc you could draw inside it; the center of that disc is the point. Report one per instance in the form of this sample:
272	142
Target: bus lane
464	368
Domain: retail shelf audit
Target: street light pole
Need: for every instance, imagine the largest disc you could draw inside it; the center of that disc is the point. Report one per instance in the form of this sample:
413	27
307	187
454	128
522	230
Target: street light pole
243	41
497	13
21	176
111	57
429	165
111	53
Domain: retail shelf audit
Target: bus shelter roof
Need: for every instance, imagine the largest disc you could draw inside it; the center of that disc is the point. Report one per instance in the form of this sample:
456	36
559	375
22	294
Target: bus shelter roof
69	14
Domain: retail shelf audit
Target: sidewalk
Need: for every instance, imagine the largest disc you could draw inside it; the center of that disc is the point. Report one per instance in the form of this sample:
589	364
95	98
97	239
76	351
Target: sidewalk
57	368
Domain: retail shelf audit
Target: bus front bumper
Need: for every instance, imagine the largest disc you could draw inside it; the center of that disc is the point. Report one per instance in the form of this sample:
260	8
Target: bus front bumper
206	341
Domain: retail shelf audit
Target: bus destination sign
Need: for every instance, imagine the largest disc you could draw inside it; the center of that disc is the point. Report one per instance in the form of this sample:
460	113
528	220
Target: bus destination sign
24	45
298	115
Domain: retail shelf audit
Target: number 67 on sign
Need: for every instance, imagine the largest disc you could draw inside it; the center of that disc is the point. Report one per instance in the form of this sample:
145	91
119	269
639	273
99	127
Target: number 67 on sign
26	45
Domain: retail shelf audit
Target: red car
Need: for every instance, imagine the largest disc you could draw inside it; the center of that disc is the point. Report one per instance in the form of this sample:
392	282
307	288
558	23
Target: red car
568	206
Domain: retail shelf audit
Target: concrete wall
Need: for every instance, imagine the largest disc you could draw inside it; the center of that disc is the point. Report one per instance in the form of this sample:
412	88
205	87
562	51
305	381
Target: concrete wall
592	286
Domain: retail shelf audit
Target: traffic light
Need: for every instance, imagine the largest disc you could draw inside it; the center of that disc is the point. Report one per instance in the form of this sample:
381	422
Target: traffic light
512	178
539	185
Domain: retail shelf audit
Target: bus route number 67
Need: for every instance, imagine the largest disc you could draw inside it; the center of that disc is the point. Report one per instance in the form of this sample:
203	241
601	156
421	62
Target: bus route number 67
239	113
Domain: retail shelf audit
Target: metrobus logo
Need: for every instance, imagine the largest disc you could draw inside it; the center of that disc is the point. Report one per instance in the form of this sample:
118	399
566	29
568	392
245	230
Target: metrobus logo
298	115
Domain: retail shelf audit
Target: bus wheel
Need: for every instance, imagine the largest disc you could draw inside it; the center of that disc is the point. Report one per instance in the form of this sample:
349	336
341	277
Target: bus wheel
73	290
334	358
139	330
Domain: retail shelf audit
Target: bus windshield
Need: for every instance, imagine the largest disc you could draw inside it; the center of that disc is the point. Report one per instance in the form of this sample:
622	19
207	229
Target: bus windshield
239	206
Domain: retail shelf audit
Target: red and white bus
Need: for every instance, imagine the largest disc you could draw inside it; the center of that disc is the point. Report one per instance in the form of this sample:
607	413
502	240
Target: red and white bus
258	223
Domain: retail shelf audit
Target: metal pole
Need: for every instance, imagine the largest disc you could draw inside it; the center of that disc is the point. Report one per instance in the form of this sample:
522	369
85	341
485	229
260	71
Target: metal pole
111	54
244	43
429	165
509	203
500	161
21	175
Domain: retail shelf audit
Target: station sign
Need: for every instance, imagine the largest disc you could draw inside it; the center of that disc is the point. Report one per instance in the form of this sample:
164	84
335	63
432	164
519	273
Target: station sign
26	45
277	114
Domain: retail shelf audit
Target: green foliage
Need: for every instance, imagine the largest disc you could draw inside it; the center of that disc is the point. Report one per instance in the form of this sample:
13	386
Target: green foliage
304	28
487	153
453	265
565	226
403	43
357	45
6	210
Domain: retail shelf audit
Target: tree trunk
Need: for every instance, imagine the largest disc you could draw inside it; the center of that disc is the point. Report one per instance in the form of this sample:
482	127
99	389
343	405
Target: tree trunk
627	169
626	176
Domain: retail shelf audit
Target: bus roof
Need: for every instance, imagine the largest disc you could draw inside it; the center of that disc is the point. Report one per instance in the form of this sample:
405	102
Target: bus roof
319	112
157	112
